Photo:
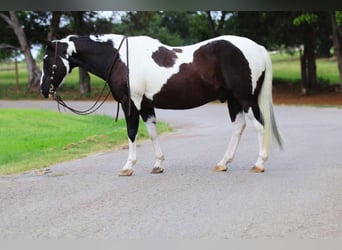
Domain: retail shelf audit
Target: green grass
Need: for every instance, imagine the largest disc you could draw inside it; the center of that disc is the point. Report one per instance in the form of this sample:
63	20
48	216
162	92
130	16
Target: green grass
33	139
286	68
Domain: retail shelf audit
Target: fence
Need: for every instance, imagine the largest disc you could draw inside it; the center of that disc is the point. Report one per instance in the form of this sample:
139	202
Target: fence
11	66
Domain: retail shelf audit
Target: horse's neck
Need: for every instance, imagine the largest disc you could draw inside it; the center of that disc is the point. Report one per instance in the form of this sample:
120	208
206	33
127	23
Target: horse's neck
91	63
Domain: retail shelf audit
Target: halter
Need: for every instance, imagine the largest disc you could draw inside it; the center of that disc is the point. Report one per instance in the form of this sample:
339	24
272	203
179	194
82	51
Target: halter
93	108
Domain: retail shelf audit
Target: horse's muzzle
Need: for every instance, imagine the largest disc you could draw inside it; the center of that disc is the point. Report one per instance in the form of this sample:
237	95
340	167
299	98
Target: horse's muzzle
46	94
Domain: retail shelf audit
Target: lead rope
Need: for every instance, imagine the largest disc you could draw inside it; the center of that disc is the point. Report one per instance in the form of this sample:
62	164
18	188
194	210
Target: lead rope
110	72
128	84
90	110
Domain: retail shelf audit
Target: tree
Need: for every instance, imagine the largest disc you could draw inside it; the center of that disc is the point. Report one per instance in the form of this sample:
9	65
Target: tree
80	28
307	22
54	25
216	25
275	30
174	27
34	72
155	24
9	42
337	40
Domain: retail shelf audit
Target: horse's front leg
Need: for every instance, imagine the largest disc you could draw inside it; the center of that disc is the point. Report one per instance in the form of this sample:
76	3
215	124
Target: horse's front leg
132	123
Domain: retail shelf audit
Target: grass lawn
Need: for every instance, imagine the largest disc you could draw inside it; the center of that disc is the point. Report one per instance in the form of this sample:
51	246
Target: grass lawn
286	68
33	139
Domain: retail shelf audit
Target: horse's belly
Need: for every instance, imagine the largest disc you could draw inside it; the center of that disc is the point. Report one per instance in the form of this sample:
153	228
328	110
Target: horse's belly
186	97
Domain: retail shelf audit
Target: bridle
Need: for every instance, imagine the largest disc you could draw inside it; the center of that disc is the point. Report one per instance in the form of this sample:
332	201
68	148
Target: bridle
95	106
52	90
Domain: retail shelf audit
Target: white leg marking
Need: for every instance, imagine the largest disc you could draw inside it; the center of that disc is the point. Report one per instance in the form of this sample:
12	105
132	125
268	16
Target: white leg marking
238	128
263	154
153	133
132	155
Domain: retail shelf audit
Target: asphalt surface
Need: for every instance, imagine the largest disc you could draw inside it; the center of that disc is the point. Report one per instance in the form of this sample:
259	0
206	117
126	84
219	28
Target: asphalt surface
298	196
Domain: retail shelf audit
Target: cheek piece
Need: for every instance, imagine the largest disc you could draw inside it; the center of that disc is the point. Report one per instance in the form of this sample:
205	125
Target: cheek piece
52	88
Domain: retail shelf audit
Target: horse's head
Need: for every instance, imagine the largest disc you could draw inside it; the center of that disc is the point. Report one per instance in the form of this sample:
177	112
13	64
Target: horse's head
56	65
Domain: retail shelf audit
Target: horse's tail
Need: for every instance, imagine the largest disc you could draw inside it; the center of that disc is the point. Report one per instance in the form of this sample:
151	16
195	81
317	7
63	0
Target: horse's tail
265	102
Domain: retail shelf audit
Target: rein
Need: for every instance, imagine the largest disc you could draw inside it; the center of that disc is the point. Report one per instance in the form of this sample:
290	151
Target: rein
95	106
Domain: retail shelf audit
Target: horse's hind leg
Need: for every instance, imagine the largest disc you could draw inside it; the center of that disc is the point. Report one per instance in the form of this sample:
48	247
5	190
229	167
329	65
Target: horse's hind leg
238	127
239	124
148	115
263	152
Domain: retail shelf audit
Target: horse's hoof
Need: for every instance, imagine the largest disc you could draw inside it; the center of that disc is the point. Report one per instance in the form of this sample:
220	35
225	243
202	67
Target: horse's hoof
256	169
126	172
157	170
220	169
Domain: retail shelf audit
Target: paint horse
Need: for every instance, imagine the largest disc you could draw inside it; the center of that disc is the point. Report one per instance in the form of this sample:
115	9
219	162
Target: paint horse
227	68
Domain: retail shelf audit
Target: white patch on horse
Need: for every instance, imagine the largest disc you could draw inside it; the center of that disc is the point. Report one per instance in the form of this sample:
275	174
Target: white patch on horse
41	78
67	68
71	45
102	38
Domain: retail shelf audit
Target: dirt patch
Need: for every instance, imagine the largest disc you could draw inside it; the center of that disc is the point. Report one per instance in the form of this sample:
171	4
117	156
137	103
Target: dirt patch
291	94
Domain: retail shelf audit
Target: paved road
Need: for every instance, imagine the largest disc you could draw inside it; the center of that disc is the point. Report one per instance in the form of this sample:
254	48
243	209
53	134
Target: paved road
299	195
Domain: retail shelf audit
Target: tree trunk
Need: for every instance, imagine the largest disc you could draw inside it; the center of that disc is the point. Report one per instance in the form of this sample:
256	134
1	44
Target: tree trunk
84	79
33	71
55	20
304	73
308	61
337	40
312	69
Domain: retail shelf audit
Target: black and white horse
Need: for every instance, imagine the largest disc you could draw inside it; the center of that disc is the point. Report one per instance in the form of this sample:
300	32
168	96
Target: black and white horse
227	68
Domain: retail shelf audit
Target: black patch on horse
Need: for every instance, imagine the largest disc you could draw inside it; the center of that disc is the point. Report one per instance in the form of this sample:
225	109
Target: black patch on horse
219	71
259	84
195	84
164	57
